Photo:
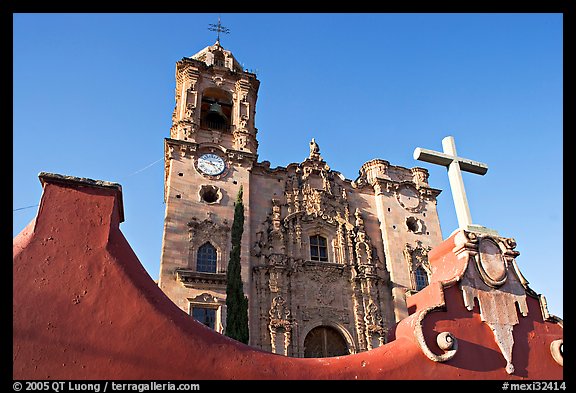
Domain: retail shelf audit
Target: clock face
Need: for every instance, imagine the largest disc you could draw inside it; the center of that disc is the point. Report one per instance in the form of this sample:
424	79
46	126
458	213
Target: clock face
211	164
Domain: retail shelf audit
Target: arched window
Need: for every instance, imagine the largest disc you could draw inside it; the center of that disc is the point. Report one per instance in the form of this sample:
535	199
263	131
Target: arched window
421	278
206	259
318	248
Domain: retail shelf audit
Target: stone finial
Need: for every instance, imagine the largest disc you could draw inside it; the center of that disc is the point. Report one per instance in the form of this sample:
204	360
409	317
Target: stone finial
420	176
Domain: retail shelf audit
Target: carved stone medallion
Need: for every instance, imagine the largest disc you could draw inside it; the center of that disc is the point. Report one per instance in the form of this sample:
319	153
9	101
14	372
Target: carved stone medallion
492	266
408	197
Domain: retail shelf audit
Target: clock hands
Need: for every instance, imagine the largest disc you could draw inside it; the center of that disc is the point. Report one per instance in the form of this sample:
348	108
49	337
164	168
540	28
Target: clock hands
207	163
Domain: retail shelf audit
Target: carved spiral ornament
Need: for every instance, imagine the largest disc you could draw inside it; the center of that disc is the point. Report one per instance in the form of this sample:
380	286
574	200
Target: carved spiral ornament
445	340
556	349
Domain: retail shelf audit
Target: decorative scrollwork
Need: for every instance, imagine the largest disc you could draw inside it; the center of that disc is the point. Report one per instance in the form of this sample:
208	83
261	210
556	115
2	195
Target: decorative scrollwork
556	349
445	340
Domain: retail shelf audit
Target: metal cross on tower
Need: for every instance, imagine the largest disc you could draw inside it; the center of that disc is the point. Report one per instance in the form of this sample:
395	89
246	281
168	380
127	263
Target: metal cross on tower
218	28
455	166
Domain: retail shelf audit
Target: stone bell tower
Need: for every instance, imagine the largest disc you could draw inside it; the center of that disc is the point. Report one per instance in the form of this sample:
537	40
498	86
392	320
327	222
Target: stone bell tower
209	154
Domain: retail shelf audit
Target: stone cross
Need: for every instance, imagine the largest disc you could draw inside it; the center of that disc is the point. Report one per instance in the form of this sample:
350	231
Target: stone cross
455	166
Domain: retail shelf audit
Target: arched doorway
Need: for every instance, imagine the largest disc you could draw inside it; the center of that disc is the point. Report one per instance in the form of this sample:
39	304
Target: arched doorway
323	342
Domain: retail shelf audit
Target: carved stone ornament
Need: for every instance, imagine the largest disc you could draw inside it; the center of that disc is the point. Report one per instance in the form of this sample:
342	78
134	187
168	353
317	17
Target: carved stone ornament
325	313
491	263
205	298
189	114
193	279
316	202
420	176
498	287
445	340
417	256
360	182
408	197
314	151
276	279
374	320
325	294
279	313
207	230
557	351
280	326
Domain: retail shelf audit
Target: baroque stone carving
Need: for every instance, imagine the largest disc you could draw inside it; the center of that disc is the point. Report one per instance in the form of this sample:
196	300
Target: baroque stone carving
417	256
202	231
189	114
325	294
205	298
344	289
279	313
314	151
374	320
325	313
420	176
498	286
280	324
218	234
408	197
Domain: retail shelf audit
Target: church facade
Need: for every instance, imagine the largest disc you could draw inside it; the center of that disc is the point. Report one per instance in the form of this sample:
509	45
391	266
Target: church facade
327	262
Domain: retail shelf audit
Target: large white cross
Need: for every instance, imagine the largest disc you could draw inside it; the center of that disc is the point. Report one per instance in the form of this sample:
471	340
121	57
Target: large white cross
455	166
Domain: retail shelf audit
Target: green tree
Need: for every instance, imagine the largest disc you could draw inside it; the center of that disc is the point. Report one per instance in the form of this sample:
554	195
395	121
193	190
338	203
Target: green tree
236	301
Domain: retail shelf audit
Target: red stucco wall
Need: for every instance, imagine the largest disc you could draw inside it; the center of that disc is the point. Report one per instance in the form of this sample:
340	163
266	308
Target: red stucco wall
85	308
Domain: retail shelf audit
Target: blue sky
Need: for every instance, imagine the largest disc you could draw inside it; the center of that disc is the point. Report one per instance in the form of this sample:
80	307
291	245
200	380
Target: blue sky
94	94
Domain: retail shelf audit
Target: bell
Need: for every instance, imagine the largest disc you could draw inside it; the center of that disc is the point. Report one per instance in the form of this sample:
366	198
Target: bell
215	108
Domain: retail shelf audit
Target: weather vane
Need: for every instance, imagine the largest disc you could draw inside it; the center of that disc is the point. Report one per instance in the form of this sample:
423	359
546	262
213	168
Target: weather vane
218	28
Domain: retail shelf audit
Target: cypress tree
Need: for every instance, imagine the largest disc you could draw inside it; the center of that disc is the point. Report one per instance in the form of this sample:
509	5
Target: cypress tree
236	301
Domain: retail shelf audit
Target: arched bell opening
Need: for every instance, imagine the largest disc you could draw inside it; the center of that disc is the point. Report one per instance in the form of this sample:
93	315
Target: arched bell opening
216	109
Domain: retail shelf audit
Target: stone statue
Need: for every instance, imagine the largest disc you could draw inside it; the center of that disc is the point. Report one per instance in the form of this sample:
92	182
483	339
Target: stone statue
314	150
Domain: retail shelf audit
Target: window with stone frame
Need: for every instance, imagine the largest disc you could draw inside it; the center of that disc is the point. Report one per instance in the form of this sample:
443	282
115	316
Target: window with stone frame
318	248
206	258
205	315
417	260
420	278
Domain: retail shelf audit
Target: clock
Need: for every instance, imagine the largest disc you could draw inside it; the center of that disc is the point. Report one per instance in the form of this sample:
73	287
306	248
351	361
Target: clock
211	164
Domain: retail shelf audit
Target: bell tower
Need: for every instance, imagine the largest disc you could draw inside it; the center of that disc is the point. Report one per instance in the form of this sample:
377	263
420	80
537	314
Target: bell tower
215	101
208	157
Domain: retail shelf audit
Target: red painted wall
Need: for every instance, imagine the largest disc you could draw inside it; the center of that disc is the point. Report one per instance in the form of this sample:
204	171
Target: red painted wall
85	308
